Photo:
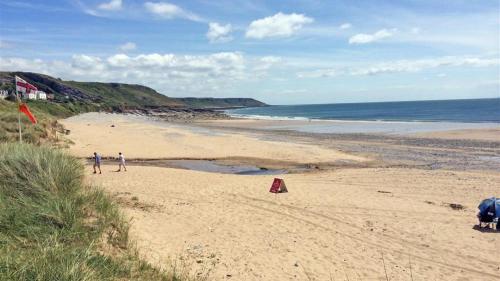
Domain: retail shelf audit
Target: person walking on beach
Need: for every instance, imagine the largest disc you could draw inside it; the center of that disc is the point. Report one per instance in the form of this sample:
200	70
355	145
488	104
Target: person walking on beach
97	163
121	162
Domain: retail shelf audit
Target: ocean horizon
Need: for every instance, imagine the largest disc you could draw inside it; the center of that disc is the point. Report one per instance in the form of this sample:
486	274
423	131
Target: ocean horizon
485	110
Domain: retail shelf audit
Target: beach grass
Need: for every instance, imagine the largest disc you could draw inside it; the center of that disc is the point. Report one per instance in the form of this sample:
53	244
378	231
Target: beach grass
53	227
42	132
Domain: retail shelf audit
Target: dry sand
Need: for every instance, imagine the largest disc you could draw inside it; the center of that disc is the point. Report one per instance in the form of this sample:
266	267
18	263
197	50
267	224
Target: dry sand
332	225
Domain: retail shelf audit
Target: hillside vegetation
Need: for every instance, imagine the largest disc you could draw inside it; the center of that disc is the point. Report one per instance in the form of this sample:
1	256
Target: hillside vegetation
44	131
53	227
104	96
126	95
115	96
71	98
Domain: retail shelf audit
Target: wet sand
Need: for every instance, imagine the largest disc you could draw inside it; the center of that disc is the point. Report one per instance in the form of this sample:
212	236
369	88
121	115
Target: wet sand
478	130
492	134
337	222
477	149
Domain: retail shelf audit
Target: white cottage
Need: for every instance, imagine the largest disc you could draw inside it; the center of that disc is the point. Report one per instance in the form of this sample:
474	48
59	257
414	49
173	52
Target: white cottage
30	95
4	94
41	95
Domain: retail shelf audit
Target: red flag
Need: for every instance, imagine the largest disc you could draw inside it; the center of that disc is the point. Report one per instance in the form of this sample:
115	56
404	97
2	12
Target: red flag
25	109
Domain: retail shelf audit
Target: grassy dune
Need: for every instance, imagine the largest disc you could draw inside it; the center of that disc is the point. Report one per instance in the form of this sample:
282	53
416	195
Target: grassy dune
52	227
46	114
41	132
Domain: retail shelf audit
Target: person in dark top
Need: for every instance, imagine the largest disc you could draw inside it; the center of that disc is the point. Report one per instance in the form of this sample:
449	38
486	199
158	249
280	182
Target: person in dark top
97	163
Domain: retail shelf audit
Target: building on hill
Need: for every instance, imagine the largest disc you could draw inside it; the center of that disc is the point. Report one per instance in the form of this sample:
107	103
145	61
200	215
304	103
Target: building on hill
41	95
29	95
4	94
51	96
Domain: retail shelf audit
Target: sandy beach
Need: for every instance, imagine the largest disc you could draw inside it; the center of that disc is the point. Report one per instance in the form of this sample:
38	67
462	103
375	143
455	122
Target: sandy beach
143	138
367	208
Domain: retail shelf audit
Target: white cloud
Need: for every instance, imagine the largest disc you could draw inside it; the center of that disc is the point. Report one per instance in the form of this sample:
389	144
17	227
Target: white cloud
279	25
271	59
181	75
219	33
400	66
320	73
129	46
345	25
119	60
112	5
85	61
369	38
266	62
419	65
170	11
224	74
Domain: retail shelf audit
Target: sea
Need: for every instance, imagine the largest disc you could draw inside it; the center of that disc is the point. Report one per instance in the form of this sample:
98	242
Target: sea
380	117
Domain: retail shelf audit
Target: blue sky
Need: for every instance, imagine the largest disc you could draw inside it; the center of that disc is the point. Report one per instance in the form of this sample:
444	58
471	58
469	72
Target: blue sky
280	52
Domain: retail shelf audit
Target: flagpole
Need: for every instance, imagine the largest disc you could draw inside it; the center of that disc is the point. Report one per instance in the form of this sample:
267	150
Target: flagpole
18	111
19	116
19	122
22	107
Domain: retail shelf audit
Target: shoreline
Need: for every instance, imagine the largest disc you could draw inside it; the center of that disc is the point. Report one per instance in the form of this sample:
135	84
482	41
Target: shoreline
299	118
356	126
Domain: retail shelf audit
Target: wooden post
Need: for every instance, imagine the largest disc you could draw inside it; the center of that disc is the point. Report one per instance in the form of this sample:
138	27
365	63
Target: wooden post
19	123
19	117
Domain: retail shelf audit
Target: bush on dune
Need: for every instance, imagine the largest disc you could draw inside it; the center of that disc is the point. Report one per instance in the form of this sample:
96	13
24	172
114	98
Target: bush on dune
52	227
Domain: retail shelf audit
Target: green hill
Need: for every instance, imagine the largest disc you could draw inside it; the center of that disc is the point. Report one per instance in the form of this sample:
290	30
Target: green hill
116	96
106	96
72	97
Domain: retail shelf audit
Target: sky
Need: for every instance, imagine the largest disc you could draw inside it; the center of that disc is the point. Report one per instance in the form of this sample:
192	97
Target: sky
279	52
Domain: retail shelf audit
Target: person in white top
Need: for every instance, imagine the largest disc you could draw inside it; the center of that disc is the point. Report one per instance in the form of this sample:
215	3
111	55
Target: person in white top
121	162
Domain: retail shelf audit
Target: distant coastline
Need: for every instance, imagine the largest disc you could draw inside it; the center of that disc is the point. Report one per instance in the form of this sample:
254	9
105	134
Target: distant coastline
457	111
